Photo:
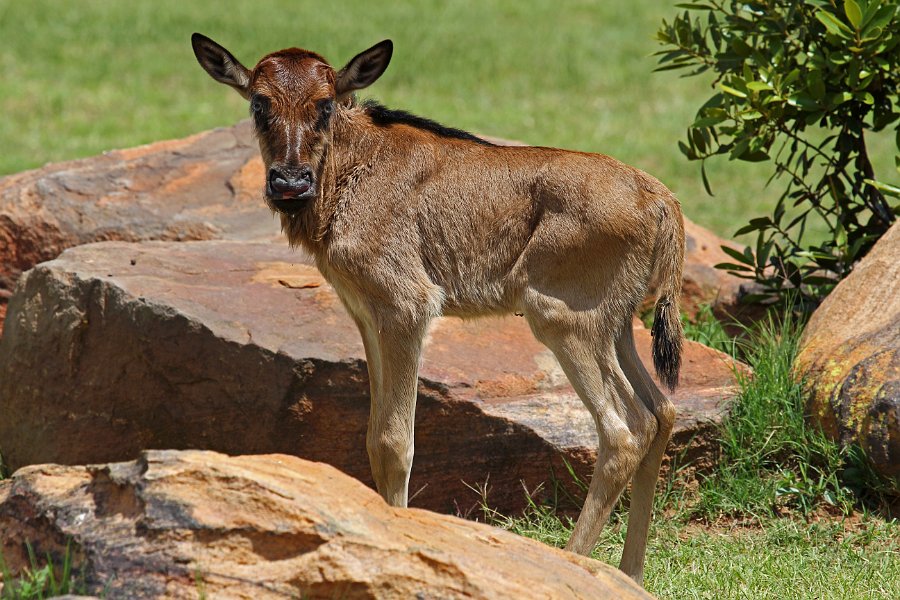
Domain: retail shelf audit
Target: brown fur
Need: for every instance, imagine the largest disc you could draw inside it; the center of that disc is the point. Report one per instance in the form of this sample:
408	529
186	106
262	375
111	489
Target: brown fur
409	224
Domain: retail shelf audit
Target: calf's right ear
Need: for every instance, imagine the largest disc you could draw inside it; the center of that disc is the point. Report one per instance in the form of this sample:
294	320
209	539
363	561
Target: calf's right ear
221	64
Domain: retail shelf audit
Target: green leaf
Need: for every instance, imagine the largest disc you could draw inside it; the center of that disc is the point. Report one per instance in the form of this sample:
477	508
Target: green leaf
758	224
816	84
732	91
854	14
757	156
740	148
762	252
790	77
804	101
840	235
738	256
732	267
670	67
751	115
833	24
758	86
882	17
856	246
705	178
839	98
871	7
698	140
748	72
872	33
779	212
884	188
707	122
740	47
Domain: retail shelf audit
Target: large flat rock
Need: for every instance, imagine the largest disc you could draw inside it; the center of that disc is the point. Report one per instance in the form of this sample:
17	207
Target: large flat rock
242	347
201	524
206	186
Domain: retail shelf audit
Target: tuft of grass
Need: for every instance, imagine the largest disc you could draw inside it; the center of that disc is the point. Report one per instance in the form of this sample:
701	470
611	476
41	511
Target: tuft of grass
772	459
200	583
706	329
37	582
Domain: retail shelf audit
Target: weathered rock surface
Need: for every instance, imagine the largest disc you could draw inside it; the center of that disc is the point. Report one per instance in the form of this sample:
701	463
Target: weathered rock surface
177	524
850	354
206	186
190	189
242	347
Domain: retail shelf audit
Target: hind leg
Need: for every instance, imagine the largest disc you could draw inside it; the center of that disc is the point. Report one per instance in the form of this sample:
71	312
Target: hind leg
645	478
585	349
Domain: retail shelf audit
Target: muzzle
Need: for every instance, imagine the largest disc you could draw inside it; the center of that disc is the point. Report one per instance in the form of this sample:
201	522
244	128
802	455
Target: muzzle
290	187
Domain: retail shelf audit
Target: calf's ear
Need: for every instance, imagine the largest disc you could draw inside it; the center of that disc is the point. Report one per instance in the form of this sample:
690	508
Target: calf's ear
363	69
221	64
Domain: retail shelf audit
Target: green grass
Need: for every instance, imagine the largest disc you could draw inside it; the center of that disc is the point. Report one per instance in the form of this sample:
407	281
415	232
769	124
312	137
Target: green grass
771	459
39	581
776	558
84	77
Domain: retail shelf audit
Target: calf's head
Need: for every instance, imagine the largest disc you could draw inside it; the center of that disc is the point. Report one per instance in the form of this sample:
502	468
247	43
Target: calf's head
293	97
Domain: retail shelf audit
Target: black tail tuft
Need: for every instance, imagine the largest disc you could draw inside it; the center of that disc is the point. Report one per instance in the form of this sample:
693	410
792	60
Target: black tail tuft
667	336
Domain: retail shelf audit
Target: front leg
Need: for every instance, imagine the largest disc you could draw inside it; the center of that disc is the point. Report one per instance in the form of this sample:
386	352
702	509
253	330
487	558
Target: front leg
392	352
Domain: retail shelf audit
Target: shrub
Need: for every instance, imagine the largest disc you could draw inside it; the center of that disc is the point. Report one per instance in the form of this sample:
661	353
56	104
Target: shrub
798	84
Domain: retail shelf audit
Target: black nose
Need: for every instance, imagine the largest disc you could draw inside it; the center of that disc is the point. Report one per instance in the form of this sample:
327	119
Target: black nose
290	182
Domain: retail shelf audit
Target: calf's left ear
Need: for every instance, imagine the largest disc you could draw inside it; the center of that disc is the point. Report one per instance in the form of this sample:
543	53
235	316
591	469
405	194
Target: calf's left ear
221	64
363	69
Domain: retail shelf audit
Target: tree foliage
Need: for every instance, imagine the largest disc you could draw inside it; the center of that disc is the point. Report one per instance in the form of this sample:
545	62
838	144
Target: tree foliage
799	84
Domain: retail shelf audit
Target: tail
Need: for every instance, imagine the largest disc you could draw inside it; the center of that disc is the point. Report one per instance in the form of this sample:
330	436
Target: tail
668	263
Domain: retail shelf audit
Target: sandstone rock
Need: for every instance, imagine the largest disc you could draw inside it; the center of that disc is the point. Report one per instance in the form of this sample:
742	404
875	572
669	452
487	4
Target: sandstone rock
242	347
850	354
704	284
206	186
178	524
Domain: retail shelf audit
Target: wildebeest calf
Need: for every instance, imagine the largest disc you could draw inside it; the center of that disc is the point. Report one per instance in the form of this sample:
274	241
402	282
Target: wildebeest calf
410	220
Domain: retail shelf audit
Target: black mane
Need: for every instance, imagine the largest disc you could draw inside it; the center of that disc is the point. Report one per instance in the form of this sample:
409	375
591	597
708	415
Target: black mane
383	116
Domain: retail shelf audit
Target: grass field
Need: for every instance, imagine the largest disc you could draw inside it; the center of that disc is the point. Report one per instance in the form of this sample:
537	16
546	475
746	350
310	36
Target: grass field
83	77
852	559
